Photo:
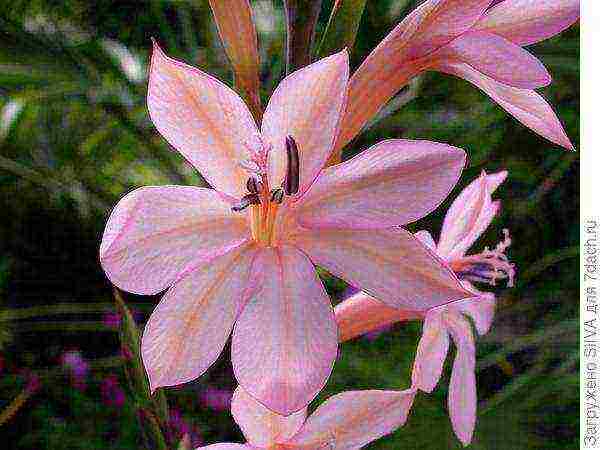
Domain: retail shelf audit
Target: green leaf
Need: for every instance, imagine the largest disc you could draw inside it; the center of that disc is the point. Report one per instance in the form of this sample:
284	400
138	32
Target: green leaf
342	27
134	367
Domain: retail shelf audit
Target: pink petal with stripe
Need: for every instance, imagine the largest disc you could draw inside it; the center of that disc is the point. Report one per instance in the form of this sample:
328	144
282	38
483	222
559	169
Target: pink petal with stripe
526	22
431	352
527	106
285	341
462	393
392	183
353	419
498	58
262	427
469	215
190	326
306	105
390	265
206	121
156	234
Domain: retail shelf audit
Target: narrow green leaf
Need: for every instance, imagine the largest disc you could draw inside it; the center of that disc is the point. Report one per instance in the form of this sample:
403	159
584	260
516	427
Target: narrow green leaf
151	430
342	27
134	366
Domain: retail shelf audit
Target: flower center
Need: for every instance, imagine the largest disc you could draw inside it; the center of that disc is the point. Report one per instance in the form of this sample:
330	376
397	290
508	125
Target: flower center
262	199
488	266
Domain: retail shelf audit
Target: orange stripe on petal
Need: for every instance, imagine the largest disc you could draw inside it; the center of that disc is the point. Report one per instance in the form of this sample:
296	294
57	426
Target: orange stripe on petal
206	121
285	341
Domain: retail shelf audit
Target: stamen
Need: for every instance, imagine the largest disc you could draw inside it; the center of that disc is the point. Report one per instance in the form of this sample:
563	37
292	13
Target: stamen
277	195
291	183
253	185
488	266
247	200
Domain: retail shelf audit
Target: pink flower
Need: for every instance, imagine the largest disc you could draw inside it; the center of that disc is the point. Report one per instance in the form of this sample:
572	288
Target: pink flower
243	253
349	420
471	40
468	217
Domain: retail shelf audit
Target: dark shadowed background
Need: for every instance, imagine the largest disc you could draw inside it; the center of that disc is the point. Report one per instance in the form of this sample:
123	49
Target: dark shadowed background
75	136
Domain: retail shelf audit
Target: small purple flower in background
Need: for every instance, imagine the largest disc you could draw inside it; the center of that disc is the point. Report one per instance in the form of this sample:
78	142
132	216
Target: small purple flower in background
217	399
33	384
178	427
111	392
77	366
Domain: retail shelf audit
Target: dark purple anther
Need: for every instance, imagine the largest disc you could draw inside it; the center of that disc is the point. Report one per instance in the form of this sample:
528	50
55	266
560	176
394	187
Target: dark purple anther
253	185
277	195
247	200
292	177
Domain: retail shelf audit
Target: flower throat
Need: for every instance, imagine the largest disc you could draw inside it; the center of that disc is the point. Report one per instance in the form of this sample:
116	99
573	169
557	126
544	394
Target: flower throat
261	198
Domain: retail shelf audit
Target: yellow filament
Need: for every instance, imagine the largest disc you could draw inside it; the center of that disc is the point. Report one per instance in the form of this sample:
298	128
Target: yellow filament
262	222
255	221
271	224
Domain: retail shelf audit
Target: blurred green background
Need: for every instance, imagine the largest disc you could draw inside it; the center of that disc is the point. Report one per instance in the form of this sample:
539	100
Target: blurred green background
75	136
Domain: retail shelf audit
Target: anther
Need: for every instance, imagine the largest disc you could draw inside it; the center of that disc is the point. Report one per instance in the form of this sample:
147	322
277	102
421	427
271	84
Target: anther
292	177
253	185
247	200
277	195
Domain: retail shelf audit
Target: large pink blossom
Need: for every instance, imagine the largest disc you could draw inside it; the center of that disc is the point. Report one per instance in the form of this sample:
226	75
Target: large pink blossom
240	257
468	217
478	40
349	420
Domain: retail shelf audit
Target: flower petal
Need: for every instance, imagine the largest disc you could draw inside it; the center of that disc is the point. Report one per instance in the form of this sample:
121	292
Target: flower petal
238	33
352	419
480	310
307	105
206	121
469	215
462	393
390	265
261	426
190	326
392	183
431	353
426	239
440	22
526	22
401	56
527	106
361	314
285	341
155	234
498	58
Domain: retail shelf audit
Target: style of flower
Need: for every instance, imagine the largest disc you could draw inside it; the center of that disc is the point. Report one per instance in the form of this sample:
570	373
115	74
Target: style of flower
243	252
478	40
468	217
349	420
